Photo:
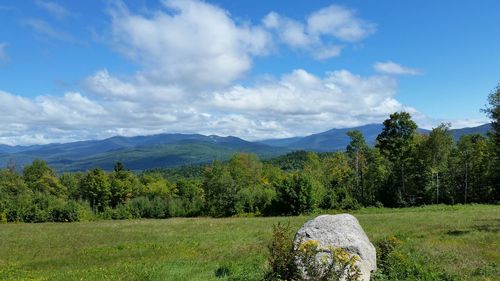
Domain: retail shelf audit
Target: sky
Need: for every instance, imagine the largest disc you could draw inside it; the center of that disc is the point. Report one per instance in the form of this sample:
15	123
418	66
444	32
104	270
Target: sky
80	70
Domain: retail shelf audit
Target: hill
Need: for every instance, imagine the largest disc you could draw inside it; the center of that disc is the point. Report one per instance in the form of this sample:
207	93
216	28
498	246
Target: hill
336	139
138	153
171	150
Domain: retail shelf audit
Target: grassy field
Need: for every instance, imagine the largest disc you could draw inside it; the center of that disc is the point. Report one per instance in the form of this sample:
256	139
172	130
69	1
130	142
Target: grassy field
461	240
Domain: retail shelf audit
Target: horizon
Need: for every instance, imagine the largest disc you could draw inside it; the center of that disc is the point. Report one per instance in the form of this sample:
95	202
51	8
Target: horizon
93	70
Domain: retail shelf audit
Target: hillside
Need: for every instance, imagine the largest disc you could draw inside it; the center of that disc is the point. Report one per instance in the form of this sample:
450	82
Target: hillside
138	153
336	139
170	150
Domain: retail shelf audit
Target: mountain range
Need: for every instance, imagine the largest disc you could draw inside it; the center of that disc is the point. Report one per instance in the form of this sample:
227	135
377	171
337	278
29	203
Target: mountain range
170	150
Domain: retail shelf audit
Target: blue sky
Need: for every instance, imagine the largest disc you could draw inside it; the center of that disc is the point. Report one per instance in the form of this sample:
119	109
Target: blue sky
73	70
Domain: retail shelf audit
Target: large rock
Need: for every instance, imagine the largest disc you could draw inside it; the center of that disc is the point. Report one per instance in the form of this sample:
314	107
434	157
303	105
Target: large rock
341	231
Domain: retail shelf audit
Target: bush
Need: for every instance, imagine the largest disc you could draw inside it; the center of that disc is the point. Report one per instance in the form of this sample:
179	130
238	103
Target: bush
396	264
281	258
294	195
144	207
318	264
69	212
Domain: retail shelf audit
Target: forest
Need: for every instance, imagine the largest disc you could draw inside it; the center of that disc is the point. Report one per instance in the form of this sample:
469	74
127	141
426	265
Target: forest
403	169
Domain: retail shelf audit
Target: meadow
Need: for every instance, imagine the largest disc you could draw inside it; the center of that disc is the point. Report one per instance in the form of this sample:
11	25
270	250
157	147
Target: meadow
463	241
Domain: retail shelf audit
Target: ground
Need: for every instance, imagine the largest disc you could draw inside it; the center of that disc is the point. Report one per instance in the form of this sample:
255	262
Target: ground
463	241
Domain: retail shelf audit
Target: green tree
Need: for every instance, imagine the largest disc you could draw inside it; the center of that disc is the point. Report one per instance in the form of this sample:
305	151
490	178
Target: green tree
124	185
154	185
96	189
72	183
357	151
438	147
220	191
41	178
192	196
474	157
493	112
395	143
294	195
14	194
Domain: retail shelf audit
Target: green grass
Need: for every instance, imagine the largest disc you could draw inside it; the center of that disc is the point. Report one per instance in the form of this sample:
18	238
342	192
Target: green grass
461	240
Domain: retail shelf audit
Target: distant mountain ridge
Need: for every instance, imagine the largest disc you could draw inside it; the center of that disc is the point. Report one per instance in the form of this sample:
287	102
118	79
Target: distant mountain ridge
336	139
169	150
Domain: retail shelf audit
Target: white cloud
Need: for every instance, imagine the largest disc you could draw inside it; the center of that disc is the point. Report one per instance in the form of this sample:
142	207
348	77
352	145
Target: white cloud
390	67
190	53
332	23
3	54
429	123
339	99
54	8
339	22
189	42
275	108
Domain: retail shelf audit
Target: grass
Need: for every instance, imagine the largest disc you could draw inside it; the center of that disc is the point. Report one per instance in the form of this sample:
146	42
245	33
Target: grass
463	241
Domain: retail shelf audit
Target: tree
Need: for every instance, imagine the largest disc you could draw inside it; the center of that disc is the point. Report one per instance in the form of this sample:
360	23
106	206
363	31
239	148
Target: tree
41	178
474	157
438	147
294	195
154	185
220	191
394	143
14	193
123	186
493	112
357	151
96	189
339	182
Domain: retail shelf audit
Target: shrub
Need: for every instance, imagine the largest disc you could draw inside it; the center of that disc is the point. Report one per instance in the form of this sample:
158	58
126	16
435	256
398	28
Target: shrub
281	258
316	263
69	212
396	264
294	195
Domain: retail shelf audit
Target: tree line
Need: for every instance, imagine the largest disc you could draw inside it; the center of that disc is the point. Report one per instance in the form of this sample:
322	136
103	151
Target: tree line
404	168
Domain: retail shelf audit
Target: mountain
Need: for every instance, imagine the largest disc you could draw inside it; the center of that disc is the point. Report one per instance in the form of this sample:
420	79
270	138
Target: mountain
482	130
137	153
169	150
331	140
336	139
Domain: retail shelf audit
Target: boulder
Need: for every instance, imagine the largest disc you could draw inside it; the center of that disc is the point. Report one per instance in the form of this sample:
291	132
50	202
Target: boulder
340	231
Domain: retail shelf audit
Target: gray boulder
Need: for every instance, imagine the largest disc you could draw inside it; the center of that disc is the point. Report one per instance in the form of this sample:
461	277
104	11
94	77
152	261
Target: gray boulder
341	231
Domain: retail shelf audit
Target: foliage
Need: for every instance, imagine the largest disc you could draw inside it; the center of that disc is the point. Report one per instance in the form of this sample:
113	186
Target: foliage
96	189
320	264
493	112
281	259
315	263
403	169
395	143
294	195
395	264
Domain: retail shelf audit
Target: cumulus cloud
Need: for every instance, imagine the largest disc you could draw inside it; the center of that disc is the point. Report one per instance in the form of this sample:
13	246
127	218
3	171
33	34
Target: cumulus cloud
333	23
188	42
54	8
320	102
276	108
190	56
390	67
